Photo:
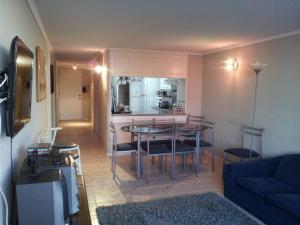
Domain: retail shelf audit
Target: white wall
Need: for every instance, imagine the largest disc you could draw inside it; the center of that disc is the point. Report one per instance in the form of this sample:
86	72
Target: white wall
101	106
228	97
16	19
194	85
87	98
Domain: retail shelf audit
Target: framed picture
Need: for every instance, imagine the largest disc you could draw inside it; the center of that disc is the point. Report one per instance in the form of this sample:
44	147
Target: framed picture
41	87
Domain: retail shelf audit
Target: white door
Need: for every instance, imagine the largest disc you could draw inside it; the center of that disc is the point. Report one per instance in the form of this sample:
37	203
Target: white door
70	94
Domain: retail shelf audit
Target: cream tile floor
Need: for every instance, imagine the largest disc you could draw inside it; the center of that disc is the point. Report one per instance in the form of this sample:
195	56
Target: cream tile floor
102	190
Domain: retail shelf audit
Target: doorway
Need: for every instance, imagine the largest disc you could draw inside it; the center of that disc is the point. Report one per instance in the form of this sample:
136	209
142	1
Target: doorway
75	99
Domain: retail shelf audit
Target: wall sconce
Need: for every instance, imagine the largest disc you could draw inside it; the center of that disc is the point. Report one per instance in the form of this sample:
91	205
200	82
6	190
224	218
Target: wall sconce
98	69
74	67
231	64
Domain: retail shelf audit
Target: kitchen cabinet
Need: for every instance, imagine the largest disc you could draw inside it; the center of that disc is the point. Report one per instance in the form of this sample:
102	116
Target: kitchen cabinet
120	64
177	66
159	65
141	64
130	63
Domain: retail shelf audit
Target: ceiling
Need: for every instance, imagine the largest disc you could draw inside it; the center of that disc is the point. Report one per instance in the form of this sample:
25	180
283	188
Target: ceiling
79	29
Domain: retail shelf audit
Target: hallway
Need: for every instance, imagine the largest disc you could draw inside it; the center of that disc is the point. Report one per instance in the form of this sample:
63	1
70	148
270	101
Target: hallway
103	190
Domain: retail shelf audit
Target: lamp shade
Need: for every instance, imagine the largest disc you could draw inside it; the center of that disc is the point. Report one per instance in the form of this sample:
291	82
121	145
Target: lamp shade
257	66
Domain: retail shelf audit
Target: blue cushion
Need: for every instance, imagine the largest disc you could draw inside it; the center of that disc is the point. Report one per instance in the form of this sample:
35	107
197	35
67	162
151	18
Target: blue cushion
202	143
262	186
184	147
126	147
241	152
289	202
160	142
156	149
288	171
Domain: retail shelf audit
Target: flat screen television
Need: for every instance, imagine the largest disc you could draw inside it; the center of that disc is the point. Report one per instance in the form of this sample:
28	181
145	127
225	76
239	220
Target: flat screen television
18	110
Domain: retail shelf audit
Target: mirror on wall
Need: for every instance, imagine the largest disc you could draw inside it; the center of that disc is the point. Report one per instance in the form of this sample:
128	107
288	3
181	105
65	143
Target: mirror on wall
148	95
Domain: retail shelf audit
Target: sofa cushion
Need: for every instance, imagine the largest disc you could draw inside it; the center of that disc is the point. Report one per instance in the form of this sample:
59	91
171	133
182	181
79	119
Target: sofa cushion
288	171
289	202
263	185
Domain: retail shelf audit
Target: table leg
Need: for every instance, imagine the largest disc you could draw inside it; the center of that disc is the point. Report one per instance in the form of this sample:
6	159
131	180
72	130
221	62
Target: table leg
198	153
139	156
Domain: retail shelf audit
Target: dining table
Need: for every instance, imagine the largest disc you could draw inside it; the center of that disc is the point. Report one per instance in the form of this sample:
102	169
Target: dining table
158	128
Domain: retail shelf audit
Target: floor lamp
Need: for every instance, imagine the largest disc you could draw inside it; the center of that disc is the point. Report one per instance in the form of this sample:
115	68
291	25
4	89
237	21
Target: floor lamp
257	68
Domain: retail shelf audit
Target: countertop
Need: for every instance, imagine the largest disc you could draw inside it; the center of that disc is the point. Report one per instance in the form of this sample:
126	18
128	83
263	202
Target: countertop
158	113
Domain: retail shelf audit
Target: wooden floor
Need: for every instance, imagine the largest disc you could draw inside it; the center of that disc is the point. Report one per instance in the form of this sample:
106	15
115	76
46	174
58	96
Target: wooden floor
102	190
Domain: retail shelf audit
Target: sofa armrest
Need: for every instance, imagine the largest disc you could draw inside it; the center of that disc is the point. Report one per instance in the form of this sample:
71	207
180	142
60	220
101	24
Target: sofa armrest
256	168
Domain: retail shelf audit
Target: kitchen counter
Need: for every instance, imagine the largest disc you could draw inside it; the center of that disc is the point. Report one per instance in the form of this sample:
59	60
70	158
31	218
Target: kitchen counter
123	119
154	113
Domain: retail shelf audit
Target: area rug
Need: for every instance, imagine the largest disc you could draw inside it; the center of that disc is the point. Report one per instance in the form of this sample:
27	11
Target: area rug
207	209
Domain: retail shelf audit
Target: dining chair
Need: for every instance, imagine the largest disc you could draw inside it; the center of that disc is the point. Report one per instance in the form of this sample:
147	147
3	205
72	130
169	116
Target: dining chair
161	123
184	147
143	138
130	147
161	139
247	153
207	133
153	148
194	119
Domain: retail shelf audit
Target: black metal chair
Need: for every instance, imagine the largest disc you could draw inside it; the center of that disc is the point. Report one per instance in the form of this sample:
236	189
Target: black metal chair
208	132
155	147
184	147
130	147
243	153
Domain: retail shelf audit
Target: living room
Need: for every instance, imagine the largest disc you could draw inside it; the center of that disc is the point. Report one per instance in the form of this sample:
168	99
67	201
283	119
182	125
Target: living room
229	64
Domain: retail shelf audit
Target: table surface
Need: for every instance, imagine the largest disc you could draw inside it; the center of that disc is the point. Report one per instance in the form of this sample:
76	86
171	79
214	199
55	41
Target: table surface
161	128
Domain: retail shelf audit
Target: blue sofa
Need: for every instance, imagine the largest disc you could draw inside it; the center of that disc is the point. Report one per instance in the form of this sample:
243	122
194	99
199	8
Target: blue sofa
268	188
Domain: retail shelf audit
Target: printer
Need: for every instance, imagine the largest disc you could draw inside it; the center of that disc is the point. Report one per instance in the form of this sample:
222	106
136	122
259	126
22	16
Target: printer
47	189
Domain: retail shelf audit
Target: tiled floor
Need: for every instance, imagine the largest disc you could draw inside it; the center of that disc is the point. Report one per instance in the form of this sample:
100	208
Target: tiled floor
103	190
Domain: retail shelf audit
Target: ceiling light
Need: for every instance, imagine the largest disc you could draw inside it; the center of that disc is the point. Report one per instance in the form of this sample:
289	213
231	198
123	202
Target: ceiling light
74	67
98	69
231	64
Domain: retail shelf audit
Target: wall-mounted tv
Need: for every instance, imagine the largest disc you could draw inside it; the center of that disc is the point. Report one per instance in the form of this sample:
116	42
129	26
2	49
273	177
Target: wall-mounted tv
18	110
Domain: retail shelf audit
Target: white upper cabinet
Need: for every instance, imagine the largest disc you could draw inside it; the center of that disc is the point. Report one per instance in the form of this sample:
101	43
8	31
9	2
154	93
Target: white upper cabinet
159	65
177	66
126	63
120	64
141	64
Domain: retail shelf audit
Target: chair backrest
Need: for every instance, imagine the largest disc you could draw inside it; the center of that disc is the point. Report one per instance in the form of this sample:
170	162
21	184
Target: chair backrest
114	133
251	132
190	136
165	134
194	119
210	126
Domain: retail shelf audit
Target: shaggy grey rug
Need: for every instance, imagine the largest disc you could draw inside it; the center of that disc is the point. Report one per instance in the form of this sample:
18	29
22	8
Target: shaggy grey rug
206	209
